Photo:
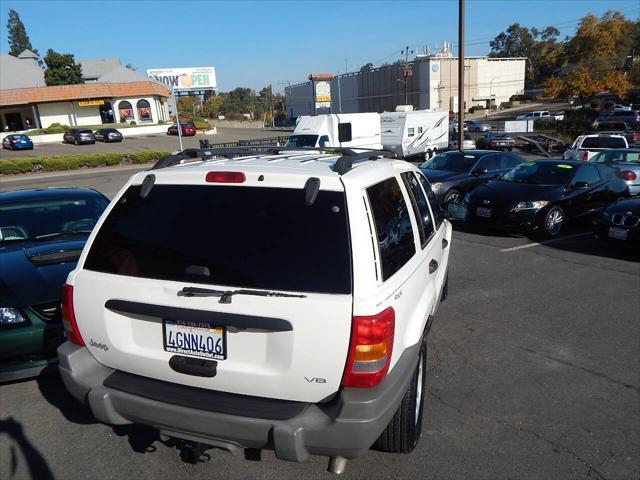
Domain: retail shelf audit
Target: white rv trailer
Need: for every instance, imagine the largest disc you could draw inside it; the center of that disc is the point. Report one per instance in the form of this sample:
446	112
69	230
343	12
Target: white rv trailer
361	130
410	133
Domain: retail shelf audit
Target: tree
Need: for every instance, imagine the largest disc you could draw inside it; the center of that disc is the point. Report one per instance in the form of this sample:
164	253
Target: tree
596	58
187	106
540	47
18	38
212	107
61	69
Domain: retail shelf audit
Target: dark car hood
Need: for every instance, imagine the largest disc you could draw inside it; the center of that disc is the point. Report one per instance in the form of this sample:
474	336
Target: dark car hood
506	193
632	205
32	273
441	175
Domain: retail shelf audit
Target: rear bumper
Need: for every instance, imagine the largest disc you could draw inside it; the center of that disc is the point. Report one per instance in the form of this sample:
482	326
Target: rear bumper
346	426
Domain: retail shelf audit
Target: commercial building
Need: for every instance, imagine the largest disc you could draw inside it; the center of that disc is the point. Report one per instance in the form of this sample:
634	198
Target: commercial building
111	93
429	81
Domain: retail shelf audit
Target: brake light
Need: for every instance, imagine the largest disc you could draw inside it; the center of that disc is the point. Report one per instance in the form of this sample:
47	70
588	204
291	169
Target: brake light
225	177
69	317
370	349
585	156
627	175
634	137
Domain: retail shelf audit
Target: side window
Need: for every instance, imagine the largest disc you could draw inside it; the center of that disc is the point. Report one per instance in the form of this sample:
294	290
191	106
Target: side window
507	162
438	214
419	130
586	173
393	225
323	138
420	208
490	162
410	132
344	132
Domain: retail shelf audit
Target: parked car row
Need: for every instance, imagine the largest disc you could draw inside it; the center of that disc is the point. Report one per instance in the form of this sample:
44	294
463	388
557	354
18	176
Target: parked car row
76	136
541	196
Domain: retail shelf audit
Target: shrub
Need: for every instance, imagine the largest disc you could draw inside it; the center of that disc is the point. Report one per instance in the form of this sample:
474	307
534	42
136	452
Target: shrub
200	123
132	122
73	162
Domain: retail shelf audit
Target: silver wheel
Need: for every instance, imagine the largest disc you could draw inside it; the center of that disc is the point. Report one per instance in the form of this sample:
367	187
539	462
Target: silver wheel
554	221
453	196
419	390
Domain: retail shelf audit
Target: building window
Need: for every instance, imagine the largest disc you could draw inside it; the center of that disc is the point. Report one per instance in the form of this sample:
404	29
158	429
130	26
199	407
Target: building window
411	132
125	111
144	111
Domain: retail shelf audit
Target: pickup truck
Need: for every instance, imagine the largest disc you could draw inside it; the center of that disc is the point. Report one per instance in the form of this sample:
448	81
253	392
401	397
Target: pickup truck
540	115
586	146
618	127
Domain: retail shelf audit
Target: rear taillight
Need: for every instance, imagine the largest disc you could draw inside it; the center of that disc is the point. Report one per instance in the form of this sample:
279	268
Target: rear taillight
225	177
585	156
627	175
370	349
634	137
69	317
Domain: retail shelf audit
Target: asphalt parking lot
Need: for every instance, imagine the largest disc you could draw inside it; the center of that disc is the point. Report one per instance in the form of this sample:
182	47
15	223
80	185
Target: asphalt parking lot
156	142
533	372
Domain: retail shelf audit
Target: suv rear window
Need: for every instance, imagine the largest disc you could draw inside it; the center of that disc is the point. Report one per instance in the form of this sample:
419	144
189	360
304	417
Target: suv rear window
604	142
248	237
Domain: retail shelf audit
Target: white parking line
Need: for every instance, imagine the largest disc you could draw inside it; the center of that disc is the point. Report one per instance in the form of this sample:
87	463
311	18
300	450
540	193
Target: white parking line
529	245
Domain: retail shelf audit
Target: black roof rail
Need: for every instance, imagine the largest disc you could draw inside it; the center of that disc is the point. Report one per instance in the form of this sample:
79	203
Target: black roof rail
349	155
346	161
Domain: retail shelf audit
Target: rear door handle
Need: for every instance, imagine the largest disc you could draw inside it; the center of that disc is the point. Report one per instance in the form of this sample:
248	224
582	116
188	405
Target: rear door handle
445	243
433	266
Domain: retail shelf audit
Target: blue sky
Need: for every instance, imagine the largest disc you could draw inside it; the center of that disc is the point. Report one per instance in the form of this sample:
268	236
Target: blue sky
256	43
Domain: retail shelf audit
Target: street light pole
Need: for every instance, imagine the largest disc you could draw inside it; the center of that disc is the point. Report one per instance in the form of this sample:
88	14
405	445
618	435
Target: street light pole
461	75
175	103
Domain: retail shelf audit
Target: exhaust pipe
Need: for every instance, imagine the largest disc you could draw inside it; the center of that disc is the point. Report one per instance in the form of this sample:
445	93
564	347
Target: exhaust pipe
194	452
337	465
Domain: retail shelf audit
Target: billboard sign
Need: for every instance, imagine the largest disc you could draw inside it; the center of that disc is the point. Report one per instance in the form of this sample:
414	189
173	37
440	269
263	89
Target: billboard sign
185	79
323	94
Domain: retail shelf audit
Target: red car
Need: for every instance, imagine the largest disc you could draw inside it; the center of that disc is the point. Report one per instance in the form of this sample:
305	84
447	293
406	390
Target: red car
188	129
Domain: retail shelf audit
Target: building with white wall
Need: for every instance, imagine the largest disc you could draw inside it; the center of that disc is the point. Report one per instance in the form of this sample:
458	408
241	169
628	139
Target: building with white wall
431	84
112	93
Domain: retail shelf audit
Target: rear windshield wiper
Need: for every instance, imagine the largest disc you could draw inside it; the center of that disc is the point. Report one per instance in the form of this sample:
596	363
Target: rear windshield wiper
61	234
225	295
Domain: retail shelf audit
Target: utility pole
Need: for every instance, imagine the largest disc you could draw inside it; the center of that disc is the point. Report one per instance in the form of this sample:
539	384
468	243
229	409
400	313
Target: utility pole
461	75
407	72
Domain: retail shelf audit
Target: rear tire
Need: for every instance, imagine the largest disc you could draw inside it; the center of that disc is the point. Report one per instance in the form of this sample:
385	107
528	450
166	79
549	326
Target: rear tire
403	431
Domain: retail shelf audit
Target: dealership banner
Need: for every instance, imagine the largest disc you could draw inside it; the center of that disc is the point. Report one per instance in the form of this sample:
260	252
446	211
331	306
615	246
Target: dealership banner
185	79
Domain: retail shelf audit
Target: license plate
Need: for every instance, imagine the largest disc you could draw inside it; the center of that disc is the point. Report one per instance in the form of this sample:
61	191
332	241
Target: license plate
501	144
195	338
483	212
619	233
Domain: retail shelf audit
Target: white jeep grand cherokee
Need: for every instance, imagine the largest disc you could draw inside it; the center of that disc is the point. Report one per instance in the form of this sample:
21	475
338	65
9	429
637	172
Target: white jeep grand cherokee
274	300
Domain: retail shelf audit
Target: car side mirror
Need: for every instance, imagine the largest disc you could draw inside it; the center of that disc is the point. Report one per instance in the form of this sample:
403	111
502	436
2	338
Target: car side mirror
325	144
478	171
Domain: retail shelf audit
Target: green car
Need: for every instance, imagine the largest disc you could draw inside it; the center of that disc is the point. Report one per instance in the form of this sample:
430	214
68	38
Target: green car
42	233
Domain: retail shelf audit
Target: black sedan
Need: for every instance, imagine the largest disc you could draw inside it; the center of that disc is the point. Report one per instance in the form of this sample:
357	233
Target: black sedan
619	222
108	135
42	233
544	195
452	174
78	136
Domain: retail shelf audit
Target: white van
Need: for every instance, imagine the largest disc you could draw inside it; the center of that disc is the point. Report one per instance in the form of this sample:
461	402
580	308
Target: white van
360	130
408	133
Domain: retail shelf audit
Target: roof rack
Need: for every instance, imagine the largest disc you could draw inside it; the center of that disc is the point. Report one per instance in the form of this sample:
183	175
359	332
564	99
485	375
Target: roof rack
348	155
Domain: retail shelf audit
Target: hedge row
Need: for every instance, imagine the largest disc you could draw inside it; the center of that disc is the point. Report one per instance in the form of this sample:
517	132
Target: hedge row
73	162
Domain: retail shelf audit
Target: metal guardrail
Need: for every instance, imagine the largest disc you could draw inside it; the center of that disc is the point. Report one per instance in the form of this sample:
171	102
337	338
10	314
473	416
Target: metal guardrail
278	141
